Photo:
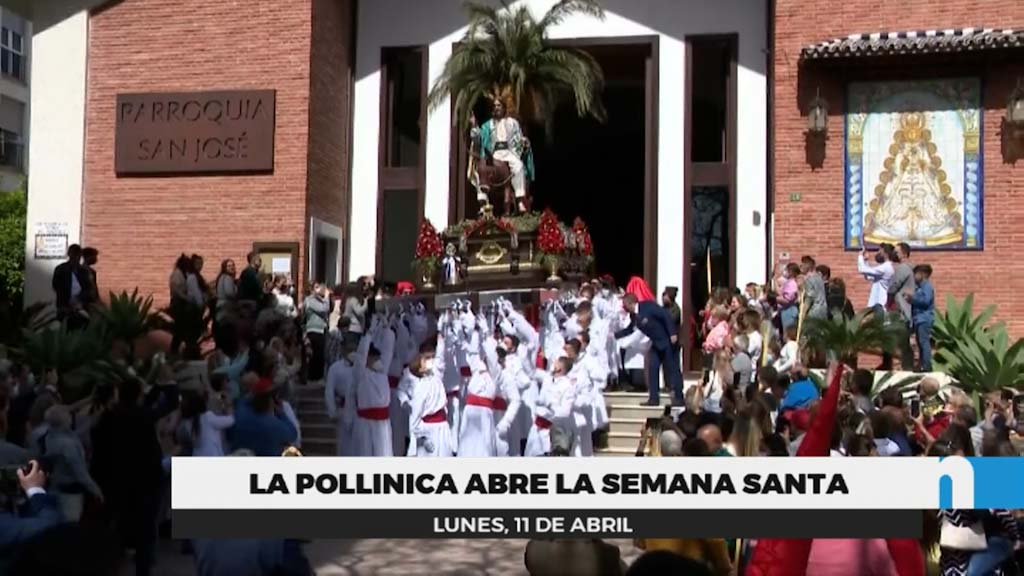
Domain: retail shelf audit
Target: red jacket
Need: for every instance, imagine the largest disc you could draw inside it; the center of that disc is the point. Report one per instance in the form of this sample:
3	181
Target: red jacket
777	557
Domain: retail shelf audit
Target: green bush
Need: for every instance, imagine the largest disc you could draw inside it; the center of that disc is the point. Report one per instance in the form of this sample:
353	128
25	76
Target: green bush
978	354
845	338
12	244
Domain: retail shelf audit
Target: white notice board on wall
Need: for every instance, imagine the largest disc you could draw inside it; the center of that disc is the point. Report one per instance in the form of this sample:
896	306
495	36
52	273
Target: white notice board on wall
51	240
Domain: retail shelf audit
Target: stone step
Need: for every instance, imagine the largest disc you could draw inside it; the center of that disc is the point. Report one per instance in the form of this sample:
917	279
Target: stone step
309	391
631	426
634	411
616	452
623	440
310	404
314	417
318	447
317	429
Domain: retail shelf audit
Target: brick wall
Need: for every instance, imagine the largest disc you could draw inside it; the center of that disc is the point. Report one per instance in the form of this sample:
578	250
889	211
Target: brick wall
329	111
814	225
141	224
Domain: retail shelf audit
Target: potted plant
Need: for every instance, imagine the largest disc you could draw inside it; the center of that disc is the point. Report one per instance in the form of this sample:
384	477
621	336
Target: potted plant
428	254
551	244
128	317
844	339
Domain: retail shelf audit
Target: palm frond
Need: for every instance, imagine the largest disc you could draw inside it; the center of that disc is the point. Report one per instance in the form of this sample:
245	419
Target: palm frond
846	338
564	8
976	352
128	317
506	50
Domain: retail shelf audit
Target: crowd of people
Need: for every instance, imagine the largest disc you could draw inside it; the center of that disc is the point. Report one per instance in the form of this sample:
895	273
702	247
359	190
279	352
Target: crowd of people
403	378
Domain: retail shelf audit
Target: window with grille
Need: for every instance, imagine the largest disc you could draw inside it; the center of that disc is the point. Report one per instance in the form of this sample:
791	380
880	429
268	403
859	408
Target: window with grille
12	53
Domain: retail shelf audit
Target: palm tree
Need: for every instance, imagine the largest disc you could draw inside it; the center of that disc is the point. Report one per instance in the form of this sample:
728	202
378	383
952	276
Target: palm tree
505	52
847	337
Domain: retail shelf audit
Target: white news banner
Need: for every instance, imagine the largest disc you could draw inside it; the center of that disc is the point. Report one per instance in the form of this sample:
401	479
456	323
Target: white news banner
234	483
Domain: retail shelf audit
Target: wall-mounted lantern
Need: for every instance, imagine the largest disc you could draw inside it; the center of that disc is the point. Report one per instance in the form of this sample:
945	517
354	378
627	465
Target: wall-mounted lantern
1015	109
817	115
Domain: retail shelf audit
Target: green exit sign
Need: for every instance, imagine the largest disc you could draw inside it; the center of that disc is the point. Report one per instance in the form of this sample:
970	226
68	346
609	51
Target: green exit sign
795	196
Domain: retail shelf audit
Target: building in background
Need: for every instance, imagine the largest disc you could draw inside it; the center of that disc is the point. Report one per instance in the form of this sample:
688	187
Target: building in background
755	132
914	140
15	46
351	159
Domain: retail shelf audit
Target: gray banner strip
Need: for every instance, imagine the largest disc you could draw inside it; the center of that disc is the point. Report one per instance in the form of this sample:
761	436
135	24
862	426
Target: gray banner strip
321	524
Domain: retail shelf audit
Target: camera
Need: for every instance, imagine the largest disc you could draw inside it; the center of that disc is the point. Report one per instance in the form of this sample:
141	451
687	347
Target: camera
10	487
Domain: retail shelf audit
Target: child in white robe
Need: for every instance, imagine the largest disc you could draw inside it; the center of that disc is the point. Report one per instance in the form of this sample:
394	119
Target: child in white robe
554	406
429	434
477	434
507	405
372	429
340	401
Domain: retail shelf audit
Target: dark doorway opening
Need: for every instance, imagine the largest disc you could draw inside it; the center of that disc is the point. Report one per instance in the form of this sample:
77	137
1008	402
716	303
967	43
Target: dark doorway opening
600	172
595	170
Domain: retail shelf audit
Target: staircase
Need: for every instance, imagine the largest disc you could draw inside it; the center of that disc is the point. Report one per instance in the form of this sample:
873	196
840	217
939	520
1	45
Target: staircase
625	413
317	426
627	418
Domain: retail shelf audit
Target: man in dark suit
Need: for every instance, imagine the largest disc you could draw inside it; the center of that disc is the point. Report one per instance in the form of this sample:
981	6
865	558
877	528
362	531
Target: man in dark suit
656	323
41	513
90	293
68	283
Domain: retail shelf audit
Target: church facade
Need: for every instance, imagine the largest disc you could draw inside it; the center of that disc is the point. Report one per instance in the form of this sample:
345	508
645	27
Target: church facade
917	145
707	172
344	158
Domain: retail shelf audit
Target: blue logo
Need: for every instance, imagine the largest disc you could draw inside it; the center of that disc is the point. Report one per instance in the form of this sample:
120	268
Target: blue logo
981	483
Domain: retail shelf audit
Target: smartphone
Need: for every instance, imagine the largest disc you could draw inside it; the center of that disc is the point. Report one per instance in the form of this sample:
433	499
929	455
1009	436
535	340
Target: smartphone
736	379
1018	407
915	407
706	377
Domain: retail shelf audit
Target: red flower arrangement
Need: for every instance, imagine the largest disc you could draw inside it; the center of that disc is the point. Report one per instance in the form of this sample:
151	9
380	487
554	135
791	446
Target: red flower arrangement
428	253
428	242
550	239
478	225
581	235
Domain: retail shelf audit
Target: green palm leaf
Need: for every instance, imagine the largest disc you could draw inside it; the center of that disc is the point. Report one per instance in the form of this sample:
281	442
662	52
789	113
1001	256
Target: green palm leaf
846	338
128	317
976	352
506	48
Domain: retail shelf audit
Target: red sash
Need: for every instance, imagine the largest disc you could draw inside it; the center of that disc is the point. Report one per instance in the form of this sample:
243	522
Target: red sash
437	417
542	423
500	404
452	393
373	413
465	372
482	401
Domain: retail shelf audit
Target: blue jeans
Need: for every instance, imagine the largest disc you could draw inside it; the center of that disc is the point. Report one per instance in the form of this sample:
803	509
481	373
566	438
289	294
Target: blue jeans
789	316
985	562
923	330
669	358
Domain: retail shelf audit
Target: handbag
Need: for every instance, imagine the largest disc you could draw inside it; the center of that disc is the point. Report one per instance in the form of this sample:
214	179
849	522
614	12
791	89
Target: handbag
967	537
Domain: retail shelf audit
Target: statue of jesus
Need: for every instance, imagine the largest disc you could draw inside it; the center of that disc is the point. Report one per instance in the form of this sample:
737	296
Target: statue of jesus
502	139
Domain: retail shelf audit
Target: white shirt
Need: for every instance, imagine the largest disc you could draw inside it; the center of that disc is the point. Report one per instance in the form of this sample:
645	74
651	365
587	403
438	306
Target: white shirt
787	357
76	288
754	343
211	428
635	347
879	276
194	293
285	304
339	392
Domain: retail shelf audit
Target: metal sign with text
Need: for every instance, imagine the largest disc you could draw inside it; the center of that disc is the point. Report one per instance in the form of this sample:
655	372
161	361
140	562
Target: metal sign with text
195	132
